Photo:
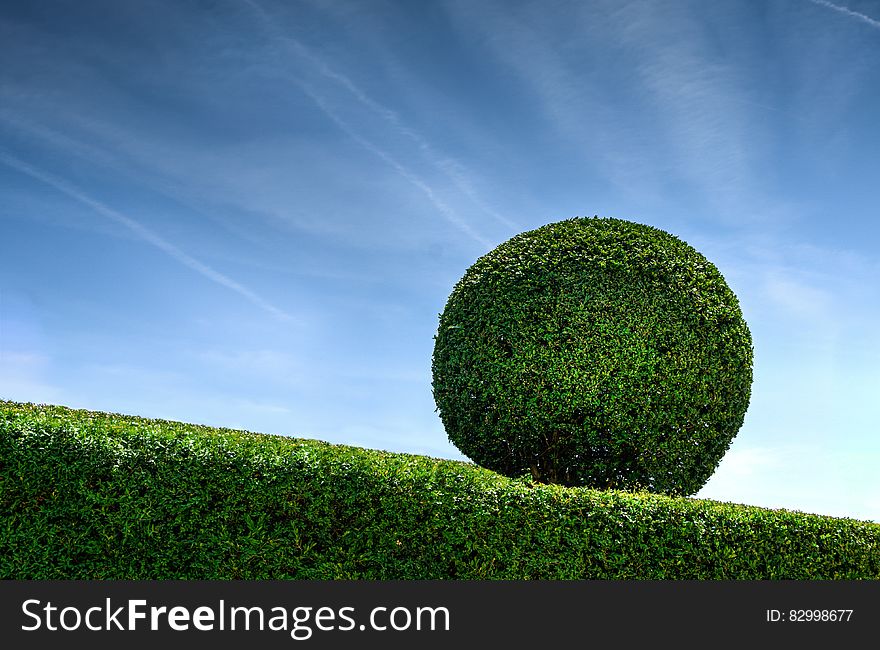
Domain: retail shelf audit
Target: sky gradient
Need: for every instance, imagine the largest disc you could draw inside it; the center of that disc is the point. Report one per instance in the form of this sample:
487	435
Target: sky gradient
249	213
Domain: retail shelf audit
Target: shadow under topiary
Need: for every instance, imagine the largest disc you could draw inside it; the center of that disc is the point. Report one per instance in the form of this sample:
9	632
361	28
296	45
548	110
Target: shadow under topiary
594	352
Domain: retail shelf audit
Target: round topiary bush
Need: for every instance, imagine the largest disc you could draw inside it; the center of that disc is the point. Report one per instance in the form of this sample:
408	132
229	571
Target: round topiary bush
594	352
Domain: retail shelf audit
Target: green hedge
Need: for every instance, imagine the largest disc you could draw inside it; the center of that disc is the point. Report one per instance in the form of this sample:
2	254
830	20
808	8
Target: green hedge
95	495
594	352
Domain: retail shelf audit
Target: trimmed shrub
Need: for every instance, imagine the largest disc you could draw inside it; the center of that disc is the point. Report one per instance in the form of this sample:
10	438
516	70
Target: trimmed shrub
86	495
594	352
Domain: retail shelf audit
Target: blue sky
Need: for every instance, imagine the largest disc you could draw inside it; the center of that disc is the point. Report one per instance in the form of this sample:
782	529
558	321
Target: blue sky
250	213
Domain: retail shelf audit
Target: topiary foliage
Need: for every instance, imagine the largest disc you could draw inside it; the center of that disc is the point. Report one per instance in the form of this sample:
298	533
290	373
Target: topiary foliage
594	352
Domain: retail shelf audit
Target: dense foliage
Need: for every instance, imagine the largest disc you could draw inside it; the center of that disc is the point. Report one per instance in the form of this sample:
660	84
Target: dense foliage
594	352
96	495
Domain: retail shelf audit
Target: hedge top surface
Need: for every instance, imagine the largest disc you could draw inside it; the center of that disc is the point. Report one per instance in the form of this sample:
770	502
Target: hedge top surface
595	352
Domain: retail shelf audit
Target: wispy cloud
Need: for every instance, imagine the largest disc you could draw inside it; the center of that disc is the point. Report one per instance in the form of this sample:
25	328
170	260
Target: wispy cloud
451	215
214	187
451	168
522	45
702	104
147	161
142	232
691	101
848	12
448	167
